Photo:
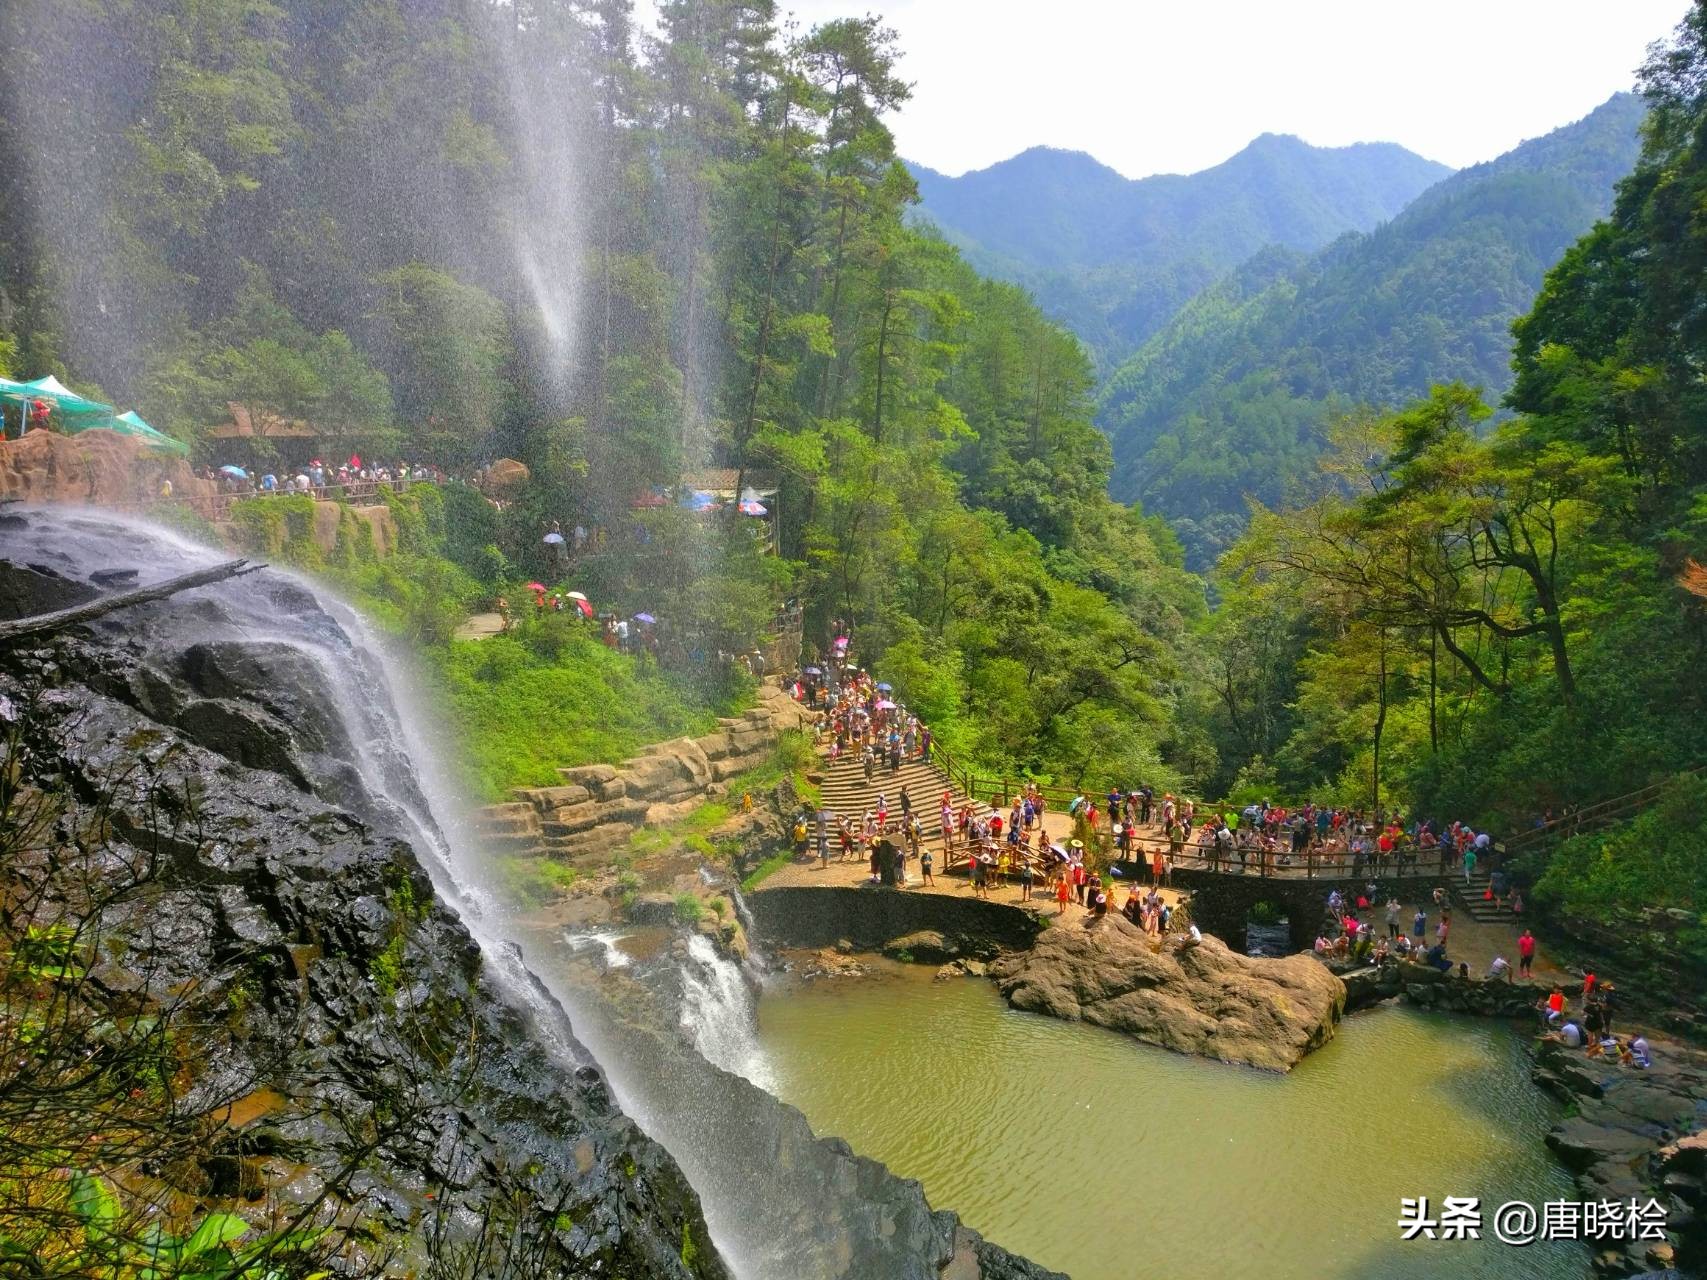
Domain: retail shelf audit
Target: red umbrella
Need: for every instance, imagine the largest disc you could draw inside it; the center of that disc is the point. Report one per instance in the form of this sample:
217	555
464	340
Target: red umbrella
536	586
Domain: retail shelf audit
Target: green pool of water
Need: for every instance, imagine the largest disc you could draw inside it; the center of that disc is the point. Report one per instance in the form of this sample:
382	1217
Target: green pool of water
1112	1160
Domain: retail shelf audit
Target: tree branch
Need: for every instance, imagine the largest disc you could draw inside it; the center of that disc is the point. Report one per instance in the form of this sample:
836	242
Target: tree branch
46	623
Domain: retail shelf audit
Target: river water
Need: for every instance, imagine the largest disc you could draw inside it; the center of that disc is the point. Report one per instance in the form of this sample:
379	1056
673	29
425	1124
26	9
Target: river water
1096	1155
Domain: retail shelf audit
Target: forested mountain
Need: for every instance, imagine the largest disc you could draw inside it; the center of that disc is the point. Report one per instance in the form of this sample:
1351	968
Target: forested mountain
1502	618
1114	258
452	230
1232	397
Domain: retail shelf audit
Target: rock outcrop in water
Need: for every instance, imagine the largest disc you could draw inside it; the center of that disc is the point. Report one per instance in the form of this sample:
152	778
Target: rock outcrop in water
1633	1135
1202	999
371	1051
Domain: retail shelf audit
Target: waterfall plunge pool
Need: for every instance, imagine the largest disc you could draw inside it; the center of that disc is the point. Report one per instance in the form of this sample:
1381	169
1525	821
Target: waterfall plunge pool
1109	1159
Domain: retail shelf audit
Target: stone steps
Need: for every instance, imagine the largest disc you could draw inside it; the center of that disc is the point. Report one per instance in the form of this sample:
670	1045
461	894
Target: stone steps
1478	908
846	793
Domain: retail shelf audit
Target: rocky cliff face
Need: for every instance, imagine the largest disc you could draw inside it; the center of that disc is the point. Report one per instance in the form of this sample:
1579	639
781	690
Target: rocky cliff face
366	1055
1201	999
94	467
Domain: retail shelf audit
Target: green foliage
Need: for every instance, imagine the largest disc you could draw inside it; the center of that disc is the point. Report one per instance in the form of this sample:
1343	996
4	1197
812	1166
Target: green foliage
734	244
209	1252
279	528
1656	859
521	716
770	866
689	908
531	881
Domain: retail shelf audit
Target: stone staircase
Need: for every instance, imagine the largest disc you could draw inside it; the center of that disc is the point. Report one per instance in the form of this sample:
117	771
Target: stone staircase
1470	896
846	793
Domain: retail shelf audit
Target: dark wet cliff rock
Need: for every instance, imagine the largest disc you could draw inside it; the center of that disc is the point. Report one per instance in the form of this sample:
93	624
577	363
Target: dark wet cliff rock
353	1044
1632	1134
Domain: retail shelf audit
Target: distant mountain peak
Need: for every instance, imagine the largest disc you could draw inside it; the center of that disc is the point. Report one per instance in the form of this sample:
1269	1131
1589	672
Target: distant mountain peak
1113	256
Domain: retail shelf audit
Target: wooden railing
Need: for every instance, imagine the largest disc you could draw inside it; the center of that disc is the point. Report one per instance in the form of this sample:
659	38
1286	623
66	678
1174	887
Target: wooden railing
1596	817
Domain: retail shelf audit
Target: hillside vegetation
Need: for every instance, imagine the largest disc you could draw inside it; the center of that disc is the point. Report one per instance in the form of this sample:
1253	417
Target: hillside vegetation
1113	258
1233	397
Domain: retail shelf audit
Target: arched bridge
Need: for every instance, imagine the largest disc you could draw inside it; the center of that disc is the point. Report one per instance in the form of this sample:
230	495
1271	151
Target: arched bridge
1225	892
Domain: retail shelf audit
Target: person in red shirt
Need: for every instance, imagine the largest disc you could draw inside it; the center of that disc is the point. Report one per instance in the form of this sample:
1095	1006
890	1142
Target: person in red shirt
1525	952
1588	985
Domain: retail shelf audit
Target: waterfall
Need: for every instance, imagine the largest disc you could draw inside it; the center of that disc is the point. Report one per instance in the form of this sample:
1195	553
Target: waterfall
386	763
719	1014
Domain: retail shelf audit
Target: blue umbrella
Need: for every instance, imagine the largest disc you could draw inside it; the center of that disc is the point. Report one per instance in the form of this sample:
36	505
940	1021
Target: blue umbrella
647	618
236	473
885	688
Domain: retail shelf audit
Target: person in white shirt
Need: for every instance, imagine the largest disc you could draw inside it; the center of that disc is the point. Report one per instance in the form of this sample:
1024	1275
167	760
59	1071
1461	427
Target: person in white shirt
1500	969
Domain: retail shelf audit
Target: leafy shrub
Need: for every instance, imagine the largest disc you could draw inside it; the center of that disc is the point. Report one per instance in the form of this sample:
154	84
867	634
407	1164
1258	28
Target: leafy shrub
533	882
519	716
688	908
1656	859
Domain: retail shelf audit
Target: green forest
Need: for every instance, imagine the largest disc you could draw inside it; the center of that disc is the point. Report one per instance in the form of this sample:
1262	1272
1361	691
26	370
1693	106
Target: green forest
452	232
457	231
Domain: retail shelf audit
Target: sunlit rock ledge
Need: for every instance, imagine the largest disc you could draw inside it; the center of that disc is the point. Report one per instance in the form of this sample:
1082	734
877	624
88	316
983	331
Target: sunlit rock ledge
1202	999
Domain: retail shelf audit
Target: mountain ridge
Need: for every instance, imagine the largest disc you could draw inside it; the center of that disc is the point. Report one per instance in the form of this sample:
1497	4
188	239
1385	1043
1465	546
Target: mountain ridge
1228	399
1114	257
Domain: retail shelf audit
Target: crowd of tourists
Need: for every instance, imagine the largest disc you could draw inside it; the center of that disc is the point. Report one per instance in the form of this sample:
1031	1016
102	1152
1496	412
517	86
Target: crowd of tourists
318	478
1591	1029
1266	837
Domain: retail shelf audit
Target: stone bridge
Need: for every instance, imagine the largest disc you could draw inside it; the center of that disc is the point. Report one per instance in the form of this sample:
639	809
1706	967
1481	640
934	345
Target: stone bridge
1222	900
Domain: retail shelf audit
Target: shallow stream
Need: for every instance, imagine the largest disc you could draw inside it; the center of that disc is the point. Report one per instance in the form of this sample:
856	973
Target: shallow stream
1109	1159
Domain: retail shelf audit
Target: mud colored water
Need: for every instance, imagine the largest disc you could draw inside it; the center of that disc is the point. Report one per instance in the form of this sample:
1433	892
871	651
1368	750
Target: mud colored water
1112	1160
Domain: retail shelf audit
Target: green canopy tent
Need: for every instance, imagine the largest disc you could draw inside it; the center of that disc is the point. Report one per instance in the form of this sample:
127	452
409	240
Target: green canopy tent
130	423
66	404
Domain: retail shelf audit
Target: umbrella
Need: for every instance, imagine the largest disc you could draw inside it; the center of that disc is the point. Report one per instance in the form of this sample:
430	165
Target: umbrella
553	539
752	508
536	586
699	500
886	705
585	608
576	595
885	688
647	618
236	473
814	671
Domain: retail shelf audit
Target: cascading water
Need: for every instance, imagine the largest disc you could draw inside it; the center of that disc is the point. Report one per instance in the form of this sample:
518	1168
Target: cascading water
719	1015
778	1204
394	775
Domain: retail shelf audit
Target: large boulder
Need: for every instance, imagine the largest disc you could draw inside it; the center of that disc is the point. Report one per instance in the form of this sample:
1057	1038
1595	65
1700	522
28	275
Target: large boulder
1202	999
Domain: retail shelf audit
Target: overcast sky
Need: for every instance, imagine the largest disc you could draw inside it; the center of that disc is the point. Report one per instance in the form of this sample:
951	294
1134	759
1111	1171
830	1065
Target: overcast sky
1173	86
